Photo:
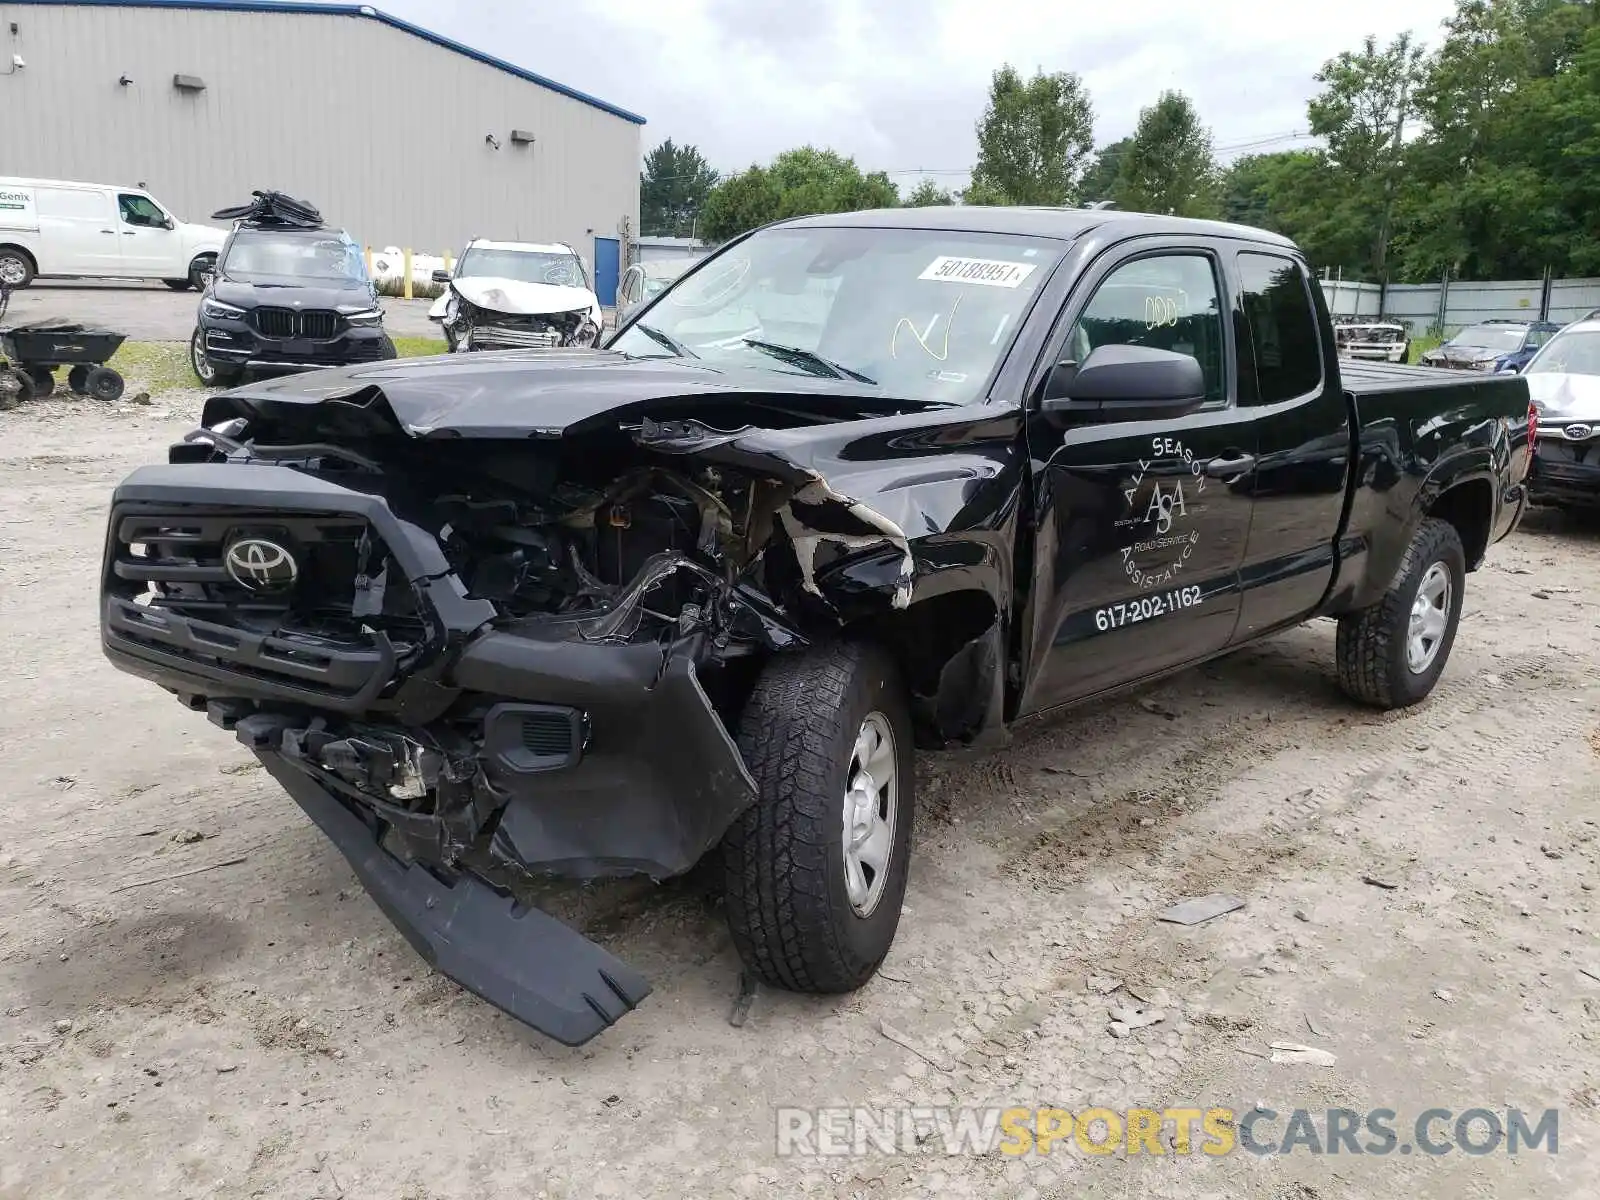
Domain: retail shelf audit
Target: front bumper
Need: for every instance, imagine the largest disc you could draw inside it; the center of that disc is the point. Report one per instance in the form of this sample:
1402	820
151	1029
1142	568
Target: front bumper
235	343
521	742
1566	472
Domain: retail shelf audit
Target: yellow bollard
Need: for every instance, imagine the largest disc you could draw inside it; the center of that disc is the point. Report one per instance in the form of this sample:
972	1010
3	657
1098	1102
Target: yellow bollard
408	272
366	253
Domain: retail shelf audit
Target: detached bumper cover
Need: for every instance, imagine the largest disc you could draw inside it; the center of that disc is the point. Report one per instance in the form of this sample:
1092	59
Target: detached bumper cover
521	960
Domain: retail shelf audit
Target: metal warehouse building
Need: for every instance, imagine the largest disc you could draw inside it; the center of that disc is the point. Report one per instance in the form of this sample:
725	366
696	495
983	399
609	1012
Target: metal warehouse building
403	137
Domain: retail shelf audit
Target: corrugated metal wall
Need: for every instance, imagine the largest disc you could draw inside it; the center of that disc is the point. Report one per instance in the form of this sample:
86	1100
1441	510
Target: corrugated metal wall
1417	304
381	129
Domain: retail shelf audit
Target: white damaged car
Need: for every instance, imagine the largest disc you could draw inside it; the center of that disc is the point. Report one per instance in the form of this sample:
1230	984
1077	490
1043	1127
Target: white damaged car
517	295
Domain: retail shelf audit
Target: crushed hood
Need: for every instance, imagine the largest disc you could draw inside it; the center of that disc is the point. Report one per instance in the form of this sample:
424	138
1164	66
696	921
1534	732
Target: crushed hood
546	394
1565	397
516	298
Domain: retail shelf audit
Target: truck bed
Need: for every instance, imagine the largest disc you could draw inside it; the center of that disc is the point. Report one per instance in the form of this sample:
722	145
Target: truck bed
1366	379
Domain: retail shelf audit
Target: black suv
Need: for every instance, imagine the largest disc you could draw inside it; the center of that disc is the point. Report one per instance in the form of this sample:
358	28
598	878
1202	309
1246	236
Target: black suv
288	294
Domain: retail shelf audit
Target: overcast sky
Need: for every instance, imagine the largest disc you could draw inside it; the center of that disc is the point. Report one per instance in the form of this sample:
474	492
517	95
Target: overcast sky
898	84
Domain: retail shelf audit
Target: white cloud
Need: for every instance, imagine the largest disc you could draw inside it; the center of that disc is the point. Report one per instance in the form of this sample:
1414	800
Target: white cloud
899	84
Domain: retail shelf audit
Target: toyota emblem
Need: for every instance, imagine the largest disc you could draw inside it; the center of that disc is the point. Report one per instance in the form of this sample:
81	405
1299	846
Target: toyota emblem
260	565
1578	433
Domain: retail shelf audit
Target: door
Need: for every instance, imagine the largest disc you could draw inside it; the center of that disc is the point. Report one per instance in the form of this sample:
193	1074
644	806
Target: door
1302	426
152	247
630	289
1141	524
607	260
77	232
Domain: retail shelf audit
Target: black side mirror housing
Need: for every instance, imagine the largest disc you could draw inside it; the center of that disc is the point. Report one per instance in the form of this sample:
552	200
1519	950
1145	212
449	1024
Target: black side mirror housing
1125	383
440	275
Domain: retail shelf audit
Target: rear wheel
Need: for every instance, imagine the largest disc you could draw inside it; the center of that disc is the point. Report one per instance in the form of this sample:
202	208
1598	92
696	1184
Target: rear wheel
78	378
16	267
1391	654
44	381
814	873
104	384
200	271
178	285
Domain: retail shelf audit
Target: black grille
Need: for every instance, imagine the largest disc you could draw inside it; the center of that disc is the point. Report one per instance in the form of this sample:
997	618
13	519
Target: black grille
181	555
547	734
313	323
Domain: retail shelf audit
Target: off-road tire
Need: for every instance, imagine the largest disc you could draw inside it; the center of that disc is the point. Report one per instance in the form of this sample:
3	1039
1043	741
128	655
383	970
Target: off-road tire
104	384
78	379
15	387
783	863
1371	644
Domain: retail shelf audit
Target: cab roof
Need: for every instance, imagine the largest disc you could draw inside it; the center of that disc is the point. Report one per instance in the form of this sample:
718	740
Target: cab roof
1064	224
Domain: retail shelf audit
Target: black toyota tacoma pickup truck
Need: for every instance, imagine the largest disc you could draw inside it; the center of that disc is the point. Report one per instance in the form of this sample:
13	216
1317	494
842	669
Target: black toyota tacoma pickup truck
854	484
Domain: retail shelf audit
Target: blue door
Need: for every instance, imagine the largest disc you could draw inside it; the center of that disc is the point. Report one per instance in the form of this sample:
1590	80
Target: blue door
607	258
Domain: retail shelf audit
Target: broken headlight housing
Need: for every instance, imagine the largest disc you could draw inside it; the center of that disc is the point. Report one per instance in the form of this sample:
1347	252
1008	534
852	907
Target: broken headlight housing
587	333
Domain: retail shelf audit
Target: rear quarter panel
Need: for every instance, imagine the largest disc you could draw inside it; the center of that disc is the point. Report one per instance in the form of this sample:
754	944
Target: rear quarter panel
1420	433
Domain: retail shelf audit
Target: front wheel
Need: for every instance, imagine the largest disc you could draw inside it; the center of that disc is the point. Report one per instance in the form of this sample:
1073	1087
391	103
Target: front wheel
1391	654
207	372
814	873
201	270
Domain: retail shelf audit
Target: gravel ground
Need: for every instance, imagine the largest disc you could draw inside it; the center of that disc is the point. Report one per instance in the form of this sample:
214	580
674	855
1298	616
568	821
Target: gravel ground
153	312
1417	896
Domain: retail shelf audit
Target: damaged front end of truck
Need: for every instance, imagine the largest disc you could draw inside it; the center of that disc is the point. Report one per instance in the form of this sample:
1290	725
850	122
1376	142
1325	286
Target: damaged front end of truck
478	635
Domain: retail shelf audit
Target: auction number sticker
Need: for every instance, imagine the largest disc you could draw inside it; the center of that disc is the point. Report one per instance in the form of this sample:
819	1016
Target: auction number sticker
991	272
1146	608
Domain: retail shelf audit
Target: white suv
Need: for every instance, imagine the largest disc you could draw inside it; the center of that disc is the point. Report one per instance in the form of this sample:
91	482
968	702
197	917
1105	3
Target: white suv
517	295
97	231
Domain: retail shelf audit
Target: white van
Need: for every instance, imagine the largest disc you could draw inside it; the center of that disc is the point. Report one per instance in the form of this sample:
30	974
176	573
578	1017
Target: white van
96	231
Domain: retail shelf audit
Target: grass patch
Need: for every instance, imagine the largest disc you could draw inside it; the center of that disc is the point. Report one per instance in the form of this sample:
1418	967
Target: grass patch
1421	345
149	367
419	347
395	288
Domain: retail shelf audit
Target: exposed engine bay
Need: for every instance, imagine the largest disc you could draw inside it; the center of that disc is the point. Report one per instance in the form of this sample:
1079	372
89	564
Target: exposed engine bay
469	326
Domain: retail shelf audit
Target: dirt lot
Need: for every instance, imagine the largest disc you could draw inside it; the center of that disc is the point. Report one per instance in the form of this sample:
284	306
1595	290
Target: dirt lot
153	312
259	1029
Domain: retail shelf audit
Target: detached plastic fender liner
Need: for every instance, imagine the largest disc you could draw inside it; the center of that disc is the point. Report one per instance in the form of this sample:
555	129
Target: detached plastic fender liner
521	960
659	782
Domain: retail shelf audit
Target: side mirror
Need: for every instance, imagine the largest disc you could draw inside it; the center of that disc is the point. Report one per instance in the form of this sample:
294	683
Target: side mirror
440	275
168	223
1127	383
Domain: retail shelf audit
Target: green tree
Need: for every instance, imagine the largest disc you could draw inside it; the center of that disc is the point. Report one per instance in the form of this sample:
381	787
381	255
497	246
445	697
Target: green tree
1502	182
1100	180
1366	98
798	182
672	189
1168	166
928	194
980	193
1035	138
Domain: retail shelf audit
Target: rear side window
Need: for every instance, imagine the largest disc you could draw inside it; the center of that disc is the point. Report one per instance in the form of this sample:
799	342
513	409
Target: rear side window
72	204
1284	339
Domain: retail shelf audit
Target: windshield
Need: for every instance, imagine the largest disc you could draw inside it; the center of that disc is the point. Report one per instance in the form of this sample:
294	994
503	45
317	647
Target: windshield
1503	338
923	314
525	266
268	254
1573	353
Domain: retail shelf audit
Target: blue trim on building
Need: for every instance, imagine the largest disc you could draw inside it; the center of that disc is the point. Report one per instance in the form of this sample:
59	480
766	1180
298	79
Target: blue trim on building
351	10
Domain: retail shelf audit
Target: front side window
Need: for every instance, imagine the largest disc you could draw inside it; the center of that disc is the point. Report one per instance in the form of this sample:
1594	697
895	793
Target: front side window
918	313
1282	328
1166	302
141	211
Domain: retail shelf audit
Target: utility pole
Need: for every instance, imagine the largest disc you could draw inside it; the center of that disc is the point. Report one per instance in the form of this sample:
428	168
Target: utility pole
1381	258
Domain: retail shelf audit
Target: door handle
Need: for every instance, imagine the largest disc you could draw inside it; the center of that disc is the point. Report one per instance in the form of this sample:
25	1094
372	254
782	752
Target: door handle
110	231
129	232
1227	468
